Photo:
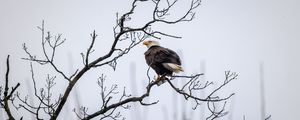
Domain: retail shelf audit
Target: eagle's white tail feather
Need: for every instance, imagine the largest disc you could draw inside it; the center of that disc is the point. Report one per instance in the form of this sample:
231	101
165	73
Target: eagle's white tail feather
173	67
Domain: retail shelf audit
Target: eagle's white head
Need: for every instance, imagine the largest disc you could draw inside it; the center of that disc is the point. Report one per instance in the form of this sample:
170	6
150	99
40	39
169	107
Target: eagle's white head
150	43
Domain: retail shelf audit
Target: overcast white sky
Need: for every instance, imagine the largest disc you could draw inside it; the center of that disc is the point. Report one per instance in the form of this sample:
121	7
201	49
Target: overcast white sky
236	35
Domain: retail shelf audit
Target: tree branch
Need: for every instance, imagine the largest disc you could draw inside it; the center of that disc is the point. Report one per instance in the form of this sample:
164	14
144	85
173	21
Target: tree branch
49	59
7	96
194	85
125	101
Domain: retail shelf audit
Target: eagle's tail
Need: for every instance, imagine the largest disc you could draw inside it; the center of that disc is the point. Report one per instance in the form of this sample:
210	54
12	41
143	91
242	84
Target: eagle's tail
173	67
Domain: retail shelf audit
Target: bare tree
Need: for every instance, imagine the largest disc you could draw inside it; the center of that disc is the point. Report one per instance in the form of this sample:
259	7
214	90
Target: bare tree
52	106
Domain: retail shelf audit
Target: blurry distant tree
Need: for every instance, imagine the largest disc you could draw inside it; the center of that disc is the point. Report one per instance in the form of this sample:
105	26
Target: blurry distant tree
111	98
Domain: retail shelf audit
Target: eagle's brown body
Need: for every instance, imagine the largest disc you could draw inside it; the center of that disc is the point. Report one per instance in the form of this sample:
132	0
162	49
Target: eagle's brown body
160	58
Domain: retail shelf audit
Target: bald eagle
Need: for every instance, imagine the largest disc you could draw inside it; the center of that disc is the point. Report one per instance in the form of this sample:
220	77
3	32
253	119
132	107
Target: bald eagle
162	60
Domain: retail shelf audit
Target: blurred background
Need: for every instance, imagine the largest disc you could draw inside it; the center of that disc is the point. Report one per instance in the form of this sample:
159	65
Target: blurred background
258	39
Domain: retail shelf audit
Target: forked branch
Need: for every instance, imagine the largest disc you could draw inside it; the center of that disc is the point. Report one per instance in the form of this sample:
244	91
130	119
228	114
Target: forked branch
7	96
193	85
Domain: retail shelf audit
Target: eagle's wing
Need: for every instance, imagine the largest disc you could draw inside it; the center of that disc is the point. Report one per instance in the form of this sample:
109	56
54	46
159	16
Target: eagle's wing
165	55
169	59
163	60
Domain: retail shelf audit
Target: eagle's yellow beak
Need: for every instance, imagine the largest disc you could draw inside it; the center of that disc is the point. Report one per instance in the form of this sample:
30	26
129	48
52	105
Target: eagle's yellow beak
146	43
